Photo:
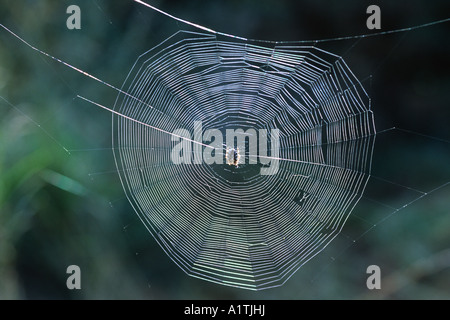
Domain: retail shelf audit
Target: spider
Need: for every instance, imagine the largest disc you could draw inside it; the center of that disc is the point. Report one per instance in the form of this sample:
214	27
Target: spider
233	156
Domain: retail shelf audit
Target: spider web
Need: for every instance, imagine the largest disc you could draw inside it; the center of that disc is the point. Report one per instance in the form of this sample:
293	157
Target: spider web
235	226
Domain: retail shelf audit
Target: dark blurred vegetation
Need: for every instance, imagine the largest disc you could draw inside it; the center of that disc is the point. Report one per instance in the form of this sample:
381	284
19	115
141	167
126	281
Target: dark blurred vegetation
58	209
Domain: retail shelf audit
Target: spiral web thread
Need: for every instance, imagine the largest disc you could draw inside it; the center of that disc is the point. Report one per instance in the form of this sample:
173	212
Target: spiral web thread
232	225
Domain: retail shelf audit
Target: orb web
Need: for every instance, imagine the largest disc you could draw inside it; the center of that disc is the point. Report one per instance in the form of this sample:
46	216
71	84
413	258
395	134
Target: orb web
231	224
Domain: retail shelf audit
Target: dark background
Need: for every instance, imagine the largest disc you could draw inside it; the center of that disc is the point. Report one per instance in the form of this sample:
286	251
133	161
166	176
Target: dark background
58	209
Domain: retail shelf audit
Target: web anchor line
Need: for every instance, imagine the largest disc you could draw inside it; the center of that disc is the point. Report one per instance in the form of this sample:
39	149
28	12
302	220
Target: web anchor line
92	77
361	36
36	124
354	241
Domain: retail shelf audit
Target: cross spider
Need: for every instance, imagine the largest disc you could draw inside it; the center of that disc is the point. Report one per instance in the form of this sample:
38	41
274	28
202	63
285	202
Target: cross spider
233	156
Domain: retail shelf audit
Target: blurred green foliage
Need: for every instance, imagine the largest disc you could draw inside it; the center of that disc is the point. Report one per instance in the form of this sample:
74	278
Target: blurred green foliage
59	208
